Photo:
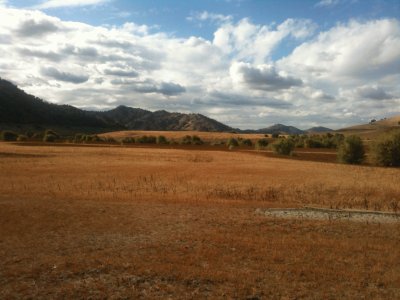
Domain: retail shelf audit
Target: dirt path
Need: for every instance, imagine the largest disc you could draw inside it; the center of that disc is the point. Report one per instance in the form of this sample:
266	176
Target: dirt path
314	213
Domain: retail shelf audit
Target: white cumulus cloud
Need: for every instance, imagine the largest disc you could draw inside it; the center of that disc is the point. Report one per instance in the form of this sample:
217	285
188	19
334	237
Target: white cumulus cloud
334	78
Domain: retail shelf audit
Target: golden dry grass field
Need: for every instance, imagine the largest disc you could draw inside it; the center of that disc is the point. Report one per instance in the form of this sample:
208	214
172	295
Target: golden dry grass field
128	222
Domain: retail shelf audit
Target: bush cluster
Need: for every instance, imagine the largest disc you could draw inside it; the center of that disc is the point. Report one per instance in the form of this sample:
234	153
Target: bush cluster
8	136
284	146
84	138
351	151
261	144
146	139
162	140
246	142
50	136
191	140
232	142
327	140
386	150
128	140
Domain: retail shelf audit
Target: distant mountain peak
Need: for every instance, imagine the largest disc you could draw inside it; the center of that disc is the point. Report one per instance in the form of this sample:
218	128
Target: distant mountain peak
280	129
319	129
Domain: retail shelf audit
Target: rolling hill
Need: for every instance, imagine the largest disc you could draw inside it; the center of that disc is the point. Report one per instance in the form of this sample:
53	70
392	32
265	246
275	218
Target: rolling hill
281	129
373	128
20	108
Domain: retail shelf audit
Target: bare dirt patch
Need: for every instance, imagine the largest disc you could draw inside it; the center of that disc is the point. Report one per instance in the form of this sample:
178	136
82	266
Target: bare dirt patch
314	213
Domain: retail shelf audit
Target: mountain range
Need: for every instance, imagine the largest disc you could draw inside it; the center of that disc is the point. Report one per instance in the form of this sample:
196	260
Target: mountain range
18	107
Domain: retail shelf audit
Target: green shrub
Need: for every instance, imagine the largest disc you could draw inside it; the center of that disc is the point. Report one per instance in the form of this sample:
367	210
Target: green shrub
351	151
78	137
247	142
128	140
8	136
172	142
162	140
197	140
261	144
109	140
22	138
96	138
327	140
146	139
50	132
232	142
49	138
284	146
29	134
275	135
386	151
186	140
37	136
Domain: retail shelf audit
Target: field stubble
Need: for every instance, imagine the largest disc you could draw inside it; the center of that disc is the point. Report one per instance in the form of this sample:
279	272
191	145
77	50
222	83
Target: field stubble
101	221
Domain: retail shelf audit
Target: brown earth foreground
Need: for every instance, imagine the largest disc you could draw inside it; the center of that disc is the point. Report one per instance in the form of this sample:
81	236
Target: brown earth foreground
115	222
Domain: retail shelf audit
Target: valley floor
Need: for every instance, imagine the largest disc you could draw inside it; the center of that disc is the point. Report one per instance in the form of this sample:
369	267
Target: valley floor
116	222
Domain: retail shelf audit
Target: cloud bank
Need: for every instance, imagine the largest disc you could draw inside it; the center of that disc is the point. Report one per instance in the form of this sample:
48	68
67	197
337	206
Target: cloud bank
346	74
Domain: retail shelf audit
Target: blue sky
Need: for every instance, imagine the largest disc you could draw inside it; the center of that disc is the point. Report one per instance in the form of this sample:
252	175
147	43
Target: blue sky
246	63
172	15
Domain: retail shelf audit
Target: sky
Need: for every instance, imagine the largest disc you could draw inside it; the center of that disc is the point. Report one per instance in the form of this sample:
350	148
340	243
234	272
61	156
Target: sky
246	63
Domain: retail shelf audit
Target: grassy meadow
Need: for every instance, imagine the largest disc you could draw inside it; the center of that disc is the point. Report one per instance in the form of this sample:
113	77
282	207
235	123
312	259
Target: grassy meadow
157	222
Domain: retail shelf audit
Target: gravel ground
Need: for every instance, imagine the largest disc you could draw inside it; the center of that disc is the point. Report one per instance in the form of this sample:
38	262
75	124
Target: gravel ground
331	214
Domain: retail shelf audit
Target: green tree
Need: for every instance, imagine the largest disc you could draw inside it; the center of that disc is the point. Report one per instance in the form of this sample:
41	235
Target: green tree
8	136
247	142
261	144
351	151
232	142
386	150
162	140
197	140
284	146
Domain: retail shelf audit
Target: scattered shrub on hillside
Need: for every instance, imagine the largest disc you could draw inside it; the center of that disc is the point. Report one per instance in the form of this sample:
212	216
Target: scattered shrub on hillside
261	144
95	138
327	140
232	142
8	136
29	134
51	132
196	140
247	142
37	136
284	146
386	150
78	137
146	139
128	140
217	143
162	140
109	140
351	151
22	138
186	140
191	140
275	135
49	138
